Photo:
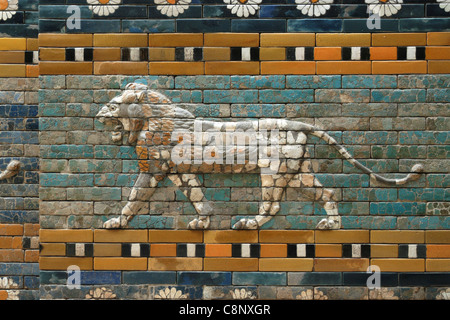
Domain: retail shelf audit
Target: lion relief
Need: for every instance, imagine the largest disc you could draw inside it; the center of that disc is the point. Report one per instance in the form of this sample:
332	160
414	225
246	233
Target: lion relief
171	143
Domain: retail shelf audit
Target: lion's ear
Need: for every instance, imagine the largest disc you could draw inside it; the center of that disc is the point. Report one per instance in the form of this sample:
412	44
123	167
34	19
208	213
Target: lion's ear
140	96
128	97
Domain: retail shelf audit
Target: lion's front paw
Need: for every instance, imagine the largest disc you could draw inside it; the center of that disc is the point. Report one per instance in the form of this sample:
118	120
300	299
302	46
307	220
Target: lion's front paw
246	224
199	224
328	224
113	223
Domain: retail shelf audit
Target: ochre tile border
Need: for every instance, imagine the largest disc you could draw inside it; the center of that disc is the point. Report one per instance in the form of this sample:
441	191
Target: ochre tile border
247	53
233	250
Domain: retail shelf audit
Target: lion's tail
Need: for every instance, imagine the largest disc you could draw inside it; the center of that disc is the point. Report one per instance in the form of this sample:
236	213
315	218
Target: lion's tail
415	170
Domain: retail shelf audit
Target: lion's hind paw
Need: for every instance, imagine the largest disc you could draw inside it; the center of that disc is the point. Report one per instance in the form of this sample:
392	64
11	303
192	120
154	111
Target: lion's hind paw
246	224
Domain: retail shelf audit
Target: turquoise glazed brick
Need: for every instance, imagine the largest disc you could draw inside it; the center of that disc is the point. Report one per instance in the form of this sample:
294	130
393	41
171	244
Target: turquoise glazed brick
367	81
369	137
427	81
386	165
286	96
369	222
424	137
343	180
369	194
103	193
258	82
407	95
258	110
152	222
66	180
313	82
202	82
427	223
114	152
423	194
67	151
71	123
397	208
83	96
438	180
231	180
369	110
399	152
230	96
52	109
342	95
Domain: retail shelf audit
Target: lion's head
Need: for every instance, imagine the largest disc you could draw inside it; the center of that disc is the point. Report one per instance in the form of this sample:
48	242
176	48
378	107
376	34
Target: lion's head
130	109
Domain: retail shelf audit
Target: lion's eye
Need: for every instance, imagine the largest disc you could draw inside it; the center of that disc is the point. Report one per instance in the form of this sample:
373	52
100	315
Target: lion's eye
113	107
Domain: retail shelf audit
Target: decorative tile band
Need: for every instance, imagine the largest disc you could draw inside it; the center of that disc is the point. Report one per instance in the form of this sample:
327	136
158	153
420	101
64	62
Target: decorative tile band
251	53
343	250
19	57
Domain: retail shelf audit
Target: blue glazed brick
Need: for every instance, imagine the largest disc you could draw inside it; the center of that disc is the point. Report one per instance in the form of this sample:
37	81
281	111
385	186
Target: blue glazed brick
343	180
260	278
438	180
254	25
372	194
258	110
186	96
286	96
424	24
438	95
369	222
95	26
258	82
368	81
407	95
314	278
387	279
60	11
423	194
100	277
148	26
369	137
397	208
202	82
360	25
314	25
23	269
152	222
66	180
67	151
427	223
230	96
313	82
342	95
203	25
19	137
14	111
424	137
149	277
204	278
31	282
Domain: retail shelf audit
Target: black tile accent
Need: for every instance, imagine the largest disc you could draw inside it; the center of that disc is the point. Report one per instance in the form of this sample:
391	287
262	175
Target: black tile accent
70	249
310	251
26	242
365	251
309	53
179	54
403	251
29	57
89	250
88	54
346	251
200	250
143	54
291	250
235	53
236	250
421	251
126	249
401	53
198	54
125	54
70	54
181	250
255	250
346	53
365	53
424	279
145	250
420	53
290	54
254	54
